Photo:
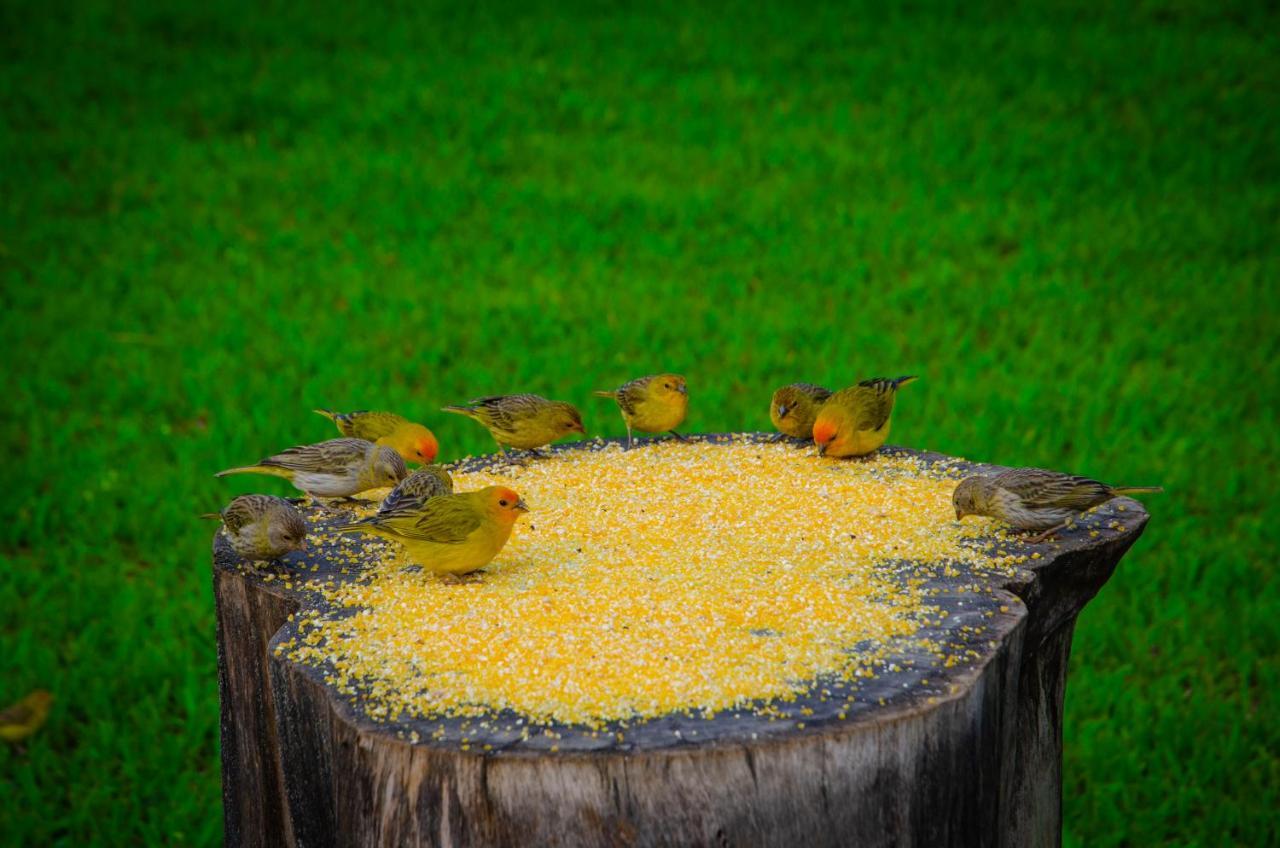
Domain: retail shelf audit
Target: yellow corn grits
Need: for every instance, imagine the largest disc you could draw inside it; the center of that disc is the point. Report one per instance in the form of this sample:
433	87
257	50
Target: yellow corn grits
673	577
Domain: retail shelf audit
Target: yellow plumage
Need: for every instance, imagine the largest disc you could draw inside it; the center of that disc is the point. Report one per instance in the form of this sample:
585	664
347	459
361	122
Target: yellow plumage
855	421
449	534
654	404
524	421
412	441
20	720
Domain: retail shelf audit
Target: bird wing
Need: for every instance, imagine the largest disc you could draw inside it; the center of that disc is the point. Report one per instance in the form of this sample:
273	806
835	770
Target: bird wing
1040	489
243	510
502	411
375	425
322	458
631	394
818	393
421	485
444	520
873	404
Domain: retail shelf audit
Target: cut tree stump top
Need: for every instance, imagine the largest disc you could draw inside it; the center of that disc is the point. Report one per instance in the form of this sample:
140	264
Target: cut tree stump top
972	612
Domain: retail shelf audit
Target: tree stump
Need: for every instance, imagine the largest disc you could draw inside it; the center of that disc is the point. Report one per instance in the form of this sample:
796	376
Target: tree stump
928	754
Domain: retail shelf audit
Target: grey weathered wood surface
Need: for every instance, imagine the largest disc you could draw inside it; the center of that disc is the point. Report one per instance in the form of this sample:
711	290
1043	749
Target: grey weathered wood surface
972	757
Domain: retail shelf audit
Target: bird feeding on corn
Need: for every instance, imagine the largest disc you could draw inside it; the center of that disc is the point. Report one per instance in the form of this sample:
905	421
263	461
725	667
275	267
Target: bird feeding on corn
449	534
338	468
855	421
261	527
427	482
794	408
524	421
654	404
412	441
1035	499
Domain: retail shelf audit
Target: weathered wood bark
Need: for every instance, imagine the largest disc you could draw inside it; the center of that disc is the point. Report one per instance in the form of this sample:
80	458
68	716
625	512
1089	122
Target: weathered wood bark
970	757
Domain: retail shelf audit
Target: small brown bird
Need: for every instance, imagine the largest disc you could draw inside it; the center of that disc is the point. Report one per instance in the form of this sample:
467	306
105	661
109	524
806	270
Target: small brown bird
262	527
338	468
420	486
449	534
20	720
525	422
855	421
795	407
412	441
654	404
1034	498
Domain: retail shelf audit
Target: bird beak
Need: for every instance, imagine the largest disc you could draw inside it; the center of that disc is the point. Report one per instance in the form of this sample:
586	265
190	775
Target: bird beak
522	506
684	390
782	411
822	450
959	514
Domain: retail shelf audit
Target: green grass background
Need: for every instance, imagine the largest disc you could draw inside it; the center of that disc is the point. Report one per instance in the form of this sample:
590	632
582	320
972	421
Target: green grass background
213	219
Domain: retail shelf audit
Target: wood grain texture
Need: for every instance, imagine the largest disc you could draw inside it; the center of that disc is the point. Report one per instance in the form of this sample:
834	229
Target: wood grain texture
970	757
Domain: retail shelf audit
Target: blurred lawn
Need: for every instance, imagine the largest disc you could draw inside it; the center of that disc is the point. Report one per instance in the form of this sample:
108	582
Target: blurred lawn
213	220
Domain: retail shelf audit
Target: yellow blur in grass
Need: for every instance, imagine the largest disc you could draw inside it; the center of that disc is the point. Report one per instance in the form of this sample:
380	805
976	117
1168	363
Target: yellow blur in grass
20	720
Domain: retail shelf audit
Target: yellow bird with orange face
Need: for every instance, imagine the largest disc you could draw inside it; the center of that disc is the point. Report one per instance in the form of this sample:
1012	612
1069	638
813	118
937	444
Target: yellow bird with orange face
855	421
449	534
412	441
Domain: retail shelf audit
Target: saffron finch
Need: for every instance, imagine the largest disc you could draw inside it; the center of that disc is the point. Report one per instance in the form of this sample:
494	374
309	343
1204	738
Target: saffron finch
855	421
23	718
412	441
422	485
794	408
449	534
526	422
1034	498
262	527
654	404
338	468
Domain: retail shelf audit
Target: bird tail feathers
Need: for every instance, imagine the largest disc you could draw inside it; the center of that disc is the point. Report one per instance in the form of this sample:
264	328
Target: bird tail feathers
609	395
1135	490
211	516
269	470
327	413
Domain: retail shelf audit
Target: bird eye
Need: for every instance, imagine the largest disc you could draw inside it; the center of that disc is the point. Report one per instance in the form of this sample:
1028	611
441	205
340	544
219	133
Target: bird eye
502	502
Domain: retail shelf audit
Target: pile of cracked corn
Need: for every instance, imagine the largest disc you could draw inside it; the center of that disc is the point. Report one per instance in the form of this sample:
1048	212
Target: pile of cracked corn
670	578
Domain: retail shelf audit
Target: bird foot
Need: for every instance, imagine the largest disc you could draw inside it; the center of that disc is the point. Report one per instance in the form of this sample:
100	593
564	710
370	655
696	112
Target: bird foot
684	439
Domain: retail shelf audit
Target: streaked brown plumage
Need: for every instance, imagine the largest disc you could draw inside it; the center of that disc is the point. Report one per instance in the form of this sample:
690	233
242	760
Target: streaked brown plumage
794	408
425	483
262	527
337	468
855	421
1035	498
524	421
657	403
23	718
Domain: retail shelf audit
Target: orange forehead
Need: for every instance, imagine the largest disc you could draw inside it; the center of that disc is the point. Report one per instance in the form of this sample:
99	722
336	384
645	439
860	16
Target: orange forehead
824	430
502	493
